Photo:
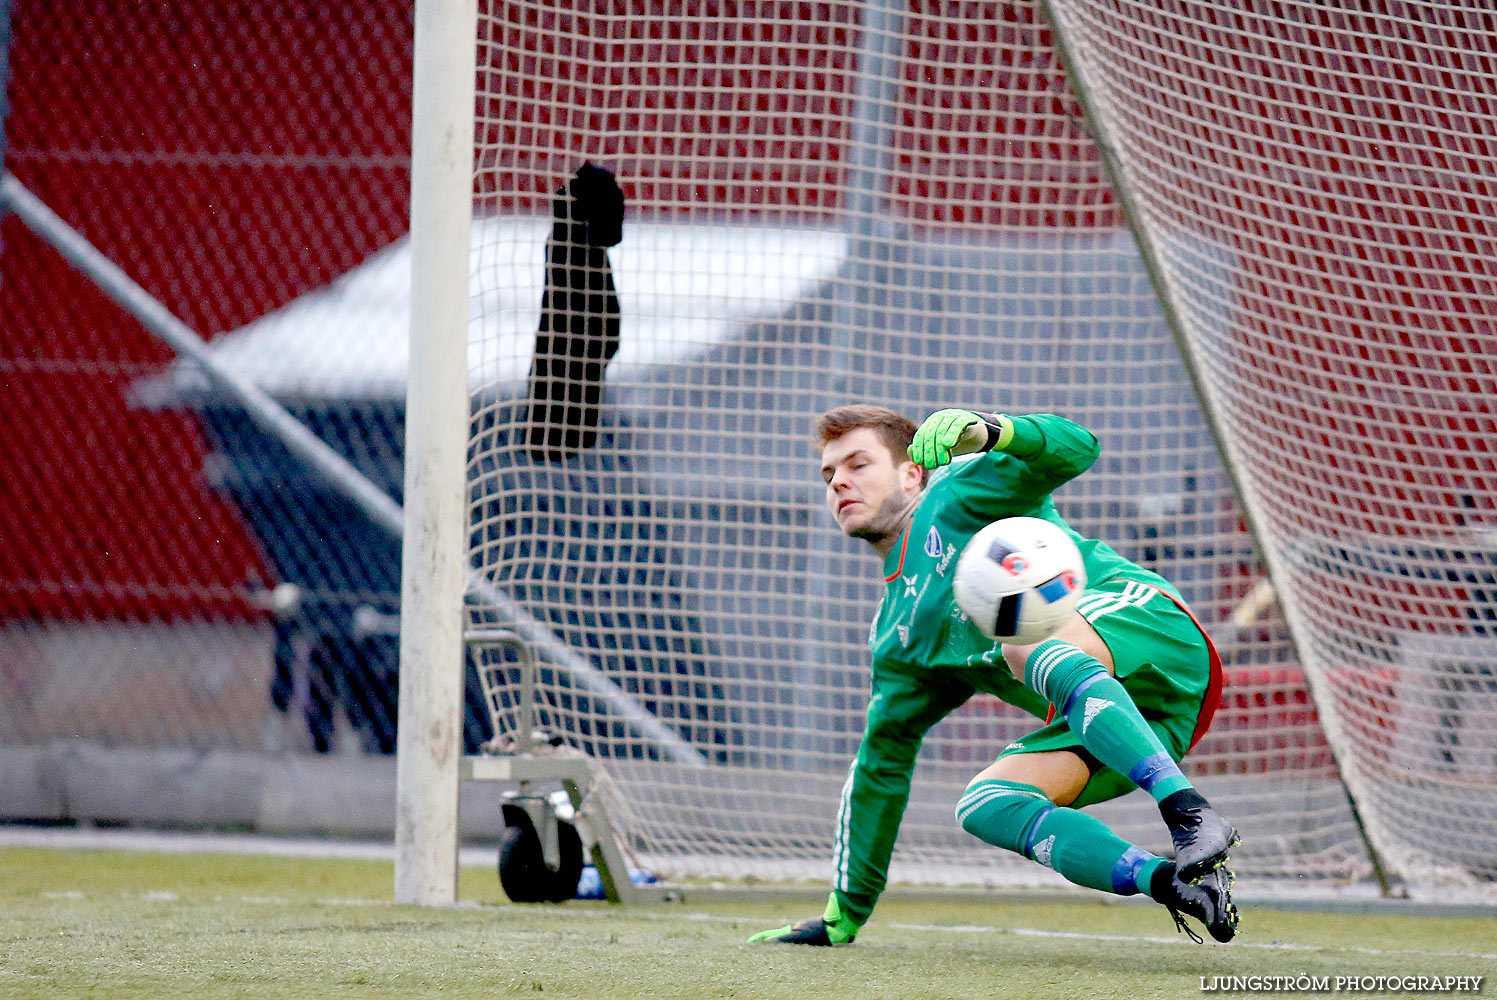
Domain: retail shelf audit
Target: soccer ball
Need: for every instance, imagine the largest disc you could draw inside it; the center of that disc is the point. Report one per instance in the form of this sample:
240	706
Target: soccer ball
1019	579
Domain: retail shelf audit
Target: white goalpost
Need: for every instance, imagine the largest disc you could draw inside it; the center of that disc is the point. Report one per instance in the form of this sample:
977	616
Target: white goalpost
433	557
1261	236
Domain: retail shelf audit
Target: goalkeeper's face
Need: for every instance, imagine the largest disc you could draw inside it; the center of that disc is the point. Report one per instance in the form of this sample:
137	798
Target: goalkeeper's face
867	491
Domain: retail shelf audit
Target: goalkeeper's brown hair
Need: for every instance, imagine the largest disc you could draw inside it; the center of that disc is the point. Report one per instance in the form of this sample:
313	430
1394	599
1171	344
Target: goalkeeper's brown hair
895	430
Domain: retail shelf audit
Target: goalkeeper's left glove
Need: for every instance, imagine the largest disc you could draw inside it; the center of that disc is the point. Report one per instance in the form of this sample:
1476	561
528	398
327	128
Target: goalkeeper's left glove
830	928
947	433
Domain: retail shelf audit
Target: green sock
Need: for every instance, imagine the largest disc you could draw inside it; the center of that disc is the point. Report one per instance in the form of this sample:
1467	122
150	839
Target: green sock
1084	850
1101	712
1081	848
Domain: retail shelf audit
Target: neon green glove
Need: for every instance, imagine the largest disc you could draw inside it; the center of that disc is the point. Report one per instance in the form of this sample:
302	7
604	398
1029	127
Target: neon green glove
948	433
828	929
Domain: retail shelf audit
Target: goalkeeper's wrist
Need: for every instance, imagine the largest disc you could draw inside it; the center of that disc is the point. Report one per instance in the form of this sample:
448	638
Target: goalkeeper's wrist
1000	431
845	924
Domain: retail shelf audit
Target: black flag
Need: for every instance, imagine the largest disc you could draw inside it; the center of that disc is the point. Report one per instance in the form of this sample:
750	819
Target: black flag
579	331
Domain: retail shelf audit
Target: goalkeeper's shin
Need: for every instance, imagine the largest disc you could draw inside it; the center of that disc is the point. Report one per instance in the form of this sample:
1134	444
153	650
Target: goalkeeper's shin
830	928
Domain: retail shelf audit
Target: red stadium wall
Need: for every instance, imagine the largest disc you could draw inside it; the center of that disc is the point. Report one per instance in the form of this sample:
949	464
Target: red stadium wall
233	156
230	156
1365	266
750	105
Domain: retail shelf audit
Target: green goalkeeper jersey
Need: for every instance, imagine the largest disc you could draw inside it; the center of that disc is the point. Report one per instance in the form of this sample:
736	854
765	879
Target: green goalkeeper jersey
919	623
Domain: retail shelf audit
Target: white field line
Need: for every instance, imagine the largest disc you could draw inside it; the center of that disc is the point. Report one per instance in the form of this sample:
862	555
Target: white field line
11	836
162	895
1027	932
168	842
470	856
1034	932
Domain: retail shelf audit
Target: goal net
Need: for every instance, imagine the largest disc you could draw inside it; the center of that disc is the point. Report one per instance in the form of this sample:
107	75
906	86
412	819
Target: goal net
1316	187
903	203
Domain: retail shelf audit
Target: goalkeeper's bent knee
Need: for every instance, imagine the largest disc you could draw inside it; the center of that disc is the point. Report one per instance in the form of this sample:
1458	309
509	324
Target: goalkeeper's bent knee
1003	813
1108	722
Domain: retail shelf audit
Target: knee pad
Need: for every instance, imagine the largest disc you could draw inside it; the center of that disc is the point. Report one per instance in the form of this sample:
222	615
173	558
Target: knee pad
1003	813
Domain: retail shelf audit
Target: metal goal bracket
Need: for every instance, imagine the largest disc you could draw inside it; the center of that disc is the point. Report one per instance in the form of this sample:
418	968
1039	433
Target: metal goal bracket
526	756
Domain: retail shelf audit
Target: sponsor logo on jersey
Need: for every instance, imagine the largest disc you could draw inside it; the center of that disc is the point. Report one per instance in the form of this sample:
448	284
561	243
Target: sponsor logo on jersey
909	584
956	634
946	558
933	543
904	634
986	656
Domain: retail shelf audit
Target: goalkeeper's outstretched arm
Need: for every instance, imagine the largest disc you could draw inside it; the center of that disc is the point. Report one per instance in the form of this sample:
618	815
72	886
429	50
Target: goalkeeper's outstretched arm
1051	450
948	433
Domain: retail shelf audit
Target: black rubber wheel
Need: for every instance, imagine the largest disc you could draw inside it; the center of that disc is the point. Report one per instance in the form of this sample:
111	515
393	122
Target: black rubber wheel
523	873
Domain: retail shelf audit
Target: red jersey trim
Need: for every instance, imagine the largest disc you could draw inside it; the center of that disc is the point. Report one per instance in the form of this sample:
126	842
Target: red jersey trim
1214	683
902	546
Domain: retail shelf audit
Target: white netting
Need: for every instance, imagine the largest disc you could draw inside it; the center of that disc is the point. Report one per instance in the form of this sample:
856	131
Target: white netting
826	202
1319	188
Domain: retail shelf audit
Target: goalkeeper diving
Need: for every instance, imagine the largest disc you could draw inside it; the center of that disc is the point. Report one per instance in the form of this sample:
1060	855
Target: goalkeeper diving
1130	680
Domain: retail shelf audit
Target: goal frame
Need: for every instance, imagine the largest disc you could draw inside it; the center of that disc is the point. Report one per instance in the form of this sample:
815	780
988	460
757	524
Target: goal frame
428	742
432	644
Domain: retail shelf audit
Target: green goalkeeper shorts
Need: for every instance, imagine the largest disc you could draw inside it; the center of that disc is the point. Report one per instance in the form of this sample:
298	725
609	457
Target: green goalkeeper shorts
1165	662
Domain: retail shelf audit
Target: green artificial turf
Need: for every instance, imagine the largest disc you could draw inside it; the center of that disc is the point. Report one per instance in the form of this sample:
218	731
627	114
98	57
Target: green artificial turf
138	924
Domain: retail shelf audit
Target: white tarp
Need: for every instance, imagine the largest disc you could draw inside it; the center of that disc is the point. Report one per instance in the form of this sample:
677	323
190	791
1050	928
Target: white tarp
682	288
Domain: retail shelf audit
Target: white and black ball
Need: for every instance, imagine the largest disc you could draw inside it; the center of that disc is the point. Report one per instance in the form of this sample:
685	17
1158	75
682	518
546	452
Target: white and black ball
1019	579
